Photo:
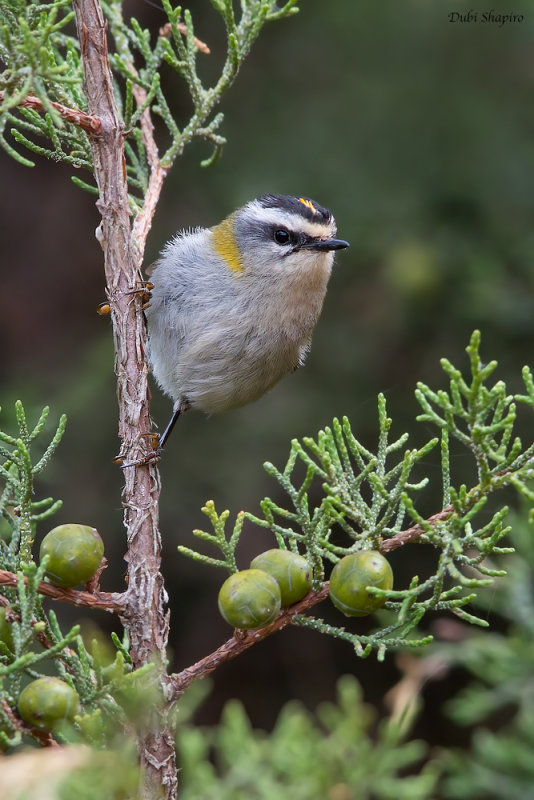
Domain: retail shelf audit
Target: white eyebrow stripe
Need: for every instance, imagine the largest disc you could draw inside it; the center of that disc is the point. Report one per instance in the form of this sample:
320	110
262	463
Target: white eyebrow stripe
294	222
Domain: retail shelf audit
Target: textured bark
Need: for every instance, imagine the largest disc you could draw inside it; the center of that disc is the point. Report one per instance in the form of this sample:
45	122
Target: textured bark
144	614
106	601
72	115
413	533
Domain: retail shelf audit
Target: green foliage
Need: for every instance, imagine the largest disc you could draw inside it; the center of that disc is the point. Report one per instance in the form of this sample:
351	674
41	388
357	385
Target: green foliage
499	764
17	472
177	48
333	753
339	753
36	644
482	419
218	538
43	60
369	497
108	775
32	39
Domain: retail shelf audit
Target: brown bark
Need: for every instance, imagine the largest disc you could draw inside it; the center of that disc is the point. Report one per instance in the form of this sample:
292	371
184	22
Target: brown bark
145	615
107	601
73	115
413	533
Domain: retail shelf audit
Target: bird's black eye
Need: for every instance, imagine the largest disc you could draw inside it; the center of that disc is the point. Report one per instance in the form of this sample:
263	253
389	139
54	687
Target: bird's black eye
281	236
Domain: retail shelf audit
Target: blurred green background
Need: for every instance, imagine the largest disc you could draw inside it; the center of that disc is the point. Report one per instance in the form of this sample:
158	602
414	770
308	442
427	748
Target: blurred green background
417	133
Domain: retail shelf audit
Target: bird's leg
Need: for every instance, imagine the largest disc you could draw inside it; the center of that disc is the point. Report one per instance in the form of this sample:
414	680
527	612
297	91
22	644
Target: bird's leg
182	406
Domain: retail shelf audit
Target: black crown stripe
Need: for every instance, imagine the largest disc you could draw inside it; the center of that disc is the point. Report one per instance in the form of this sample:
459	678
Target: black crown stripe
302	206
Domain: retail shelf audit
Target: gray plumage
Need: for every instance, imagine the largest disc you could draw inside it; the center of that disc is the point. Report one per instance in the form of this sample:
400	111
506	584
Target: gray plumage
233	309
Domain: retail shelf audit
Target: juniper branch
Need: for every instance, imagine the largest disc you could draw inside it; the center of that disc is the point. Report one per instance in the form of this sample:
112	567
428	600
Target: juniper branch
85	121
107	601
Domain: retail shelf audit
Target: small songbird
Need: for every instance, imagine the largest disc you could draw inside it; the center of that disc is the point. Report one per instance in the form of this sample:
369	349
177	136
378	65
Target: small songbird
233	307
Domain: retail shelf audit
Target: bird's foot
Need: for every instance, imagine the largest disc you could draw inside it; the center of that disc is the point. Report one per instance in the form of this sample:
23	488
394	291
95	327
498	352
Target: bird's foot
153	455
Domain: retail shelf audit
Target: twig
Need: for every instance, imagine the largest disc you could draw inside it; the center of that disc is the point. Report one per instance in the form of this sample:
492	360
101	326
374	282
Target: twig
166	29
143	220
107	601
8	711
89	123
410	534
158	173
242	640
44	738
93	585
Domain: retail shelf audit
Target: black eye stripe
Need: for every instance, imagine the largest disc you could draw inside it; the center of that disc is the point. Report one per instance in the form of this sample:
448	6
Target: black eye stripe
284	237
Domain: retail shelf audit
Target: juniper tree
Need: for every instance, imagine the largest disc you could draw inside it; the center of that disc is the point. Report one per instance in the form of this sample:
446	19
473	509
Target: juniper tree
89	99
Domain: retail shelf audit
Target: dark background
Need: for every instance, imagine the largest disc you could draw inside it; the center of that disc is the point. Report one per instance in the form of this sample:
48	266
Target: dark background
417	133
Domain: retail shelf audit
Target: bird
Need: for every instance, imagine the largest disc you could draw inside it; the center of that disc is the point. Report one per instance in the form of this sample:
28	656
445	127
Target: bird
233	307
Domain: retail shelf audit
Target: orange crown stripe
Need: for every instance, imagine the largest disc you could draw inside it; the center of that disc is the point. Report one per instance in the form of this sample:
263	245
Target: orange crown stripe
308	204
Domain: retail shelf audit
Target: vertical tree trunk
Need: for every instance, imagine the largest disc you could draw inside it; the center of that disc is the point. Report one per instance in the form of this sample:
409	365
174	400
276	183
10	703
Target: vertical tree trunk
146	618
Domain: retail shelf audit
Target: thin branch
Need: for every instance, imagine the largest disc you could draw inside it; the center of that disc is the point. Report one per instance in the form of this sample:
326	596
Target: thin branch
201	46
242	640
410	534
45	739
143	220
107	601
8	711
158	173
88	123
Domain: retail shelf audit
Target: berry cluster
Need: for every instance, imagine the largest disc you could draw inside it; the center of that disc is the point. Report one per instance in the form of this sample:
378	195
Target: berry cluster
252	598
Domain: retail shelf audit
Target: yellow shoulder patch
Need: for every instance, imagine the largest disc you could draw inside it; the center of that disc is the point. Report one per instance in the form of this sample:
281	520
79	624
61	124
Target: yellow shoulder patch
308	204
225	244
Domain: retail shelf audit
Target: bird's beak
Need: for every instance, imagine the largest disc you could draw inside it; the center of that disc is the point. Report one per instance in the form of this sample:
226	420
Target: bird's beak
326	245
